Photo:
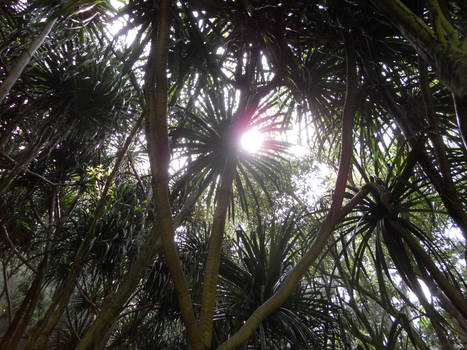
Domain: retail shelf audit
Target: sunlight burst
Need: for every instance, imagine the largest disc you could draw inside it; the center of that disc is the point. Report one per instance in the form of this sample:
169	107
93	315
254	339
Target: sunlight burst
252	140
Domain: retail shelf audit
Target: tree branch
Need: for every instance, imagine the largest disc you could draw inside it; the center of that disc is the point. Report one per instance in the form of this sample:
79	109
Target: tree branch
156	90
330	221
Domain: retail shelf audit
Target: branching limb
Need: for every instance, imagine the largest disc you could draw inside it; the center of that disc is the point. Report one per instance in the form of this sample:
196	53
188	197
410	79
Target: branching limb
15	250
156	90
330	221
444	28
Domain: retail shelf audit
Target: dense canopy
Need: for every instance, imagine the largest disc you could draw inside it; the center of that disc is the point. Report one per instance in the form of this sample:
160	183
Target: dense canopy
135	213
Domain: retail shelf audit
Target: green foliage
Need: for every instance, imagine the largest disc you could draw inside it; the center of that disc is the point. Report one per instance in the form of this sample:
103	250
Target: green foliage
232	66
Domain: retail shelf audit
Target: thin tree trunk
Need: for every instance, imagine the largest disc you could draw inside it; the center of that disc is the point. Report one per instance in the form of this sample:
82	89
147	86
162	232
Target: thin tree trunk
211	272
22	317
157	135
327	226
24	59
44	327
5	288
454	295
460	105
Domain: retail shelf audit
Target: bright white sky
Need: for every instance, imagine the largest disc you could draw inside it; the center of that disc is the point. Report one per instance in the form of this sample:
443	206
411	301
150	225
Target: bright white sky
252	141
310	185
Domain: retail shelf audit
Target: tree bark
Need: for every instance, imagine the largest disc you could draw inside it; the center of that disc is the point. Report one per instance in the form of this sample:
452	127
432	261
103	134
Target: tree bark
157	136
211	272
24	59
440	46
330	221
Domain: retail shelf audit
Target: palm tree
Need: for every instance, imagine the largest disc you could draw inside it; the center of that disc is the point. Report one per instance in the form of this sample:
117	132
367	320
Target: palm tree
105	256
252	271
58	9
65	83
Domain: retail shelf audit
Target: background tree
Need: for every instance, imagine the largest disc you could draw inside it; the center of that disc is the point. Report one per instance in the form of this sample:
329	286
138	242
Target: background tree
170	234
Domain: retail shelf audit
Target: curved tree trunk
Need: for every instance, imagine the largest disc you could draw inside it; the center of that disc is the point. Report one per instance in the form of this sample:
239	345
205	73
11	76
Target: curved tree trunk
441	46
327	226
157	136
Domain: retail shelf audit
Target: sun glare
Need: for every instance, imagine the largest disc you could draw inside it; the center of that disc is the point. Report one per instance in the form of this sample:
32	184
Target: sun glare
252	140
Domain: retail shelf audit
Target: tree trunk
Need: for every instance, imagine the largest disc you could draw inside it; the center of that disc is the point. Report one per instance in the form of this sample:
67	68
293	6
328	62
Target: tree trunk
24	59
211	272
44	327
460	105
327	226
157	136
442	47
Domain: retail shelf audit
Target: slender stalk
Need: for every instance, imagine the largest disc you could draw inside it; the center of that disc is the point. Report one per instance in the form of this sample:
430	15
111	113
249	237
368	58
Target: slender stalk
157	135
24	59
44	327
327	226
451	292
223	195
7	293
460	105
